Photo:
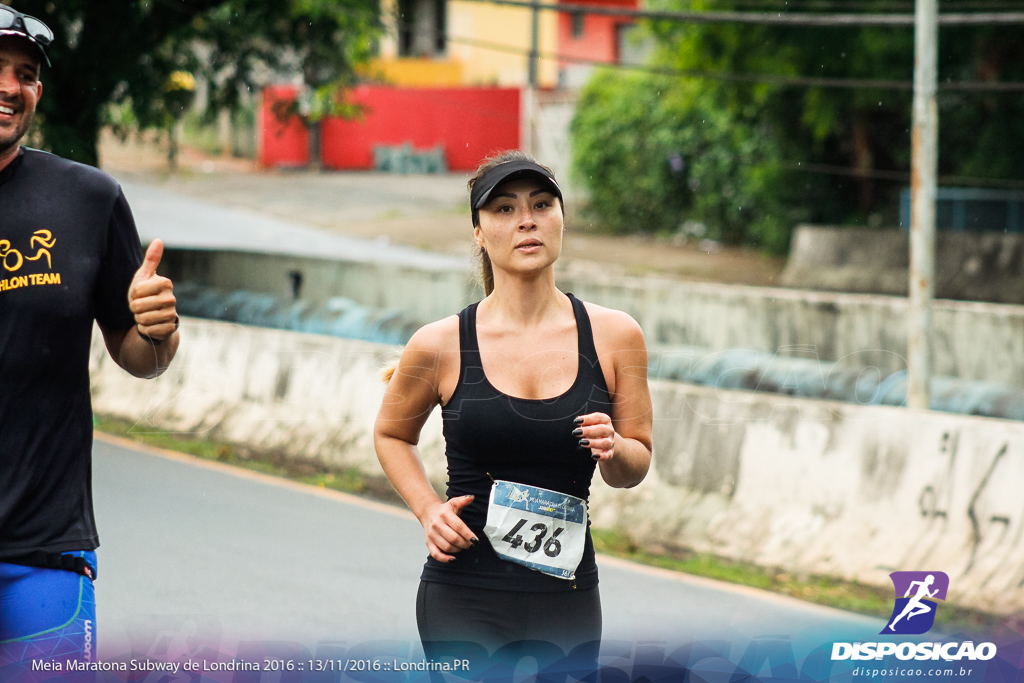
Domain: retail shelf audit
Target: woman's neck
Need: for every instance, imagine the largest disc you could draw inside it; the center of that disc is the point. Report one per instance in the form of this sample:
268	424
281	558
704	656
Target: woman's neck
524	302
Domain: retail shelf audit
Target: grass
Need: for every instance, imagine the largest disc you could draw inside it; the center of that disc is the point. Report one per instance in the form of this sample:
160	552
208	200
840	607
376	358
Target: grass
822	590
305	471
389	215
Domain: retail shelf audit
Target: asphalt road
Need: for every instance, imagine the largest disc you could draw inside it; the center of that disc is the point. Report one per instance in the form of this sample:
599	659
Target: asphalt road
196	553
184	222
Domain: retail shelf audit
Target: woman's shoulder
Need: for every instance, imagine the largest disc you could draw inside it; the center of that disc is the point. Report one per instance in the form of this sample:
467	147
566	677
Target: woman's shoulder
441	335
617	328
428	351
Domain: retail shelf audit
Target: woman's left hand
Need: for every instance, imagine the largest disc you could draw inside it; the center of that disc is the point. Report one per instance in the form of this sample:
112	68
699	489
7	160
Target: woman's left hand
595	432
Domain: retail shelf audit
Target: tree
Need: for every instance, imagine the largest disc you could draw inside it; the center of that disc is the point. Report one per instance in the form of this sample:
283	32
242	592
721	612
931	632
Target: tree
856	135
124	51
654	153
623	136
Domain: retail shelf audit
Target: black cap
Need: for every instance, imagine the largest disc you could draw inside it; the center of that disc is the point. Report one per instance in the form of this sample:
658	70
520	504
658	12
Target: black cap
510	170
14	23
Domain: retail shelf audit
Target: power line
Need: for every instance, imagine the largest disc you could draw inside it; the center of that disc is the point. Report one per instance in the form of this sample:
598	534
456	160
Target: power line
770	79
771	18
877	174
825	169
874	174
769	5
701	74
898	176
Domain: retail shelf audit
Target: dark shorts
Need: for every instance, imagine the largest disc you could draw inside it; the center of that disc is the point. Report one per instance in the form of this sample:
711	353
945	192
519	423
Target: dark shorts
508	625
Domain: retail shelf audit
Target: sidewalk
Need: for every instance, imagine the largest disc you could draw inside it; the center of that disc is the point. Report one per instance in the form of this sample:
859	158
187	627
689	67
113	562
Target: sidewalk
425	212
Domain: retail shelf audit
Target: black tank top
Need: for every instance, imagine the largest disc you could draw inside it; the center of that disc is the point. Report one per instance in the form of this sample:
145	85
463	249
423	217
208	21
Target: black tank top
490	435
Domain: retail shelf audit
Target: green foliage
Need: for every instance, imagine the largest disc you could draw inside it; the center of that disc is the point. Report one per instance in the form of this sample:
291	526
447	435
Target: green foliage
628	130
116	52
979	133
857	129
622	137
762	155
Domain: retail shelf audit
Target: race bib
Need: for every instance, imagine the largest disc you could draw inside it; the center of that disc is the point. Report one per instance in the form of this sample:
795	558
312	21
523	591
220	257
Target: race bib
537	528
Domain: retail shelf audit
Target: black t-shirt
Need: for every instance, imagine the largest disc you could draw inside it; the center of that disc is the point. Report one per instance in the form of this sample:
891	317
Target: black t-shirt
68	252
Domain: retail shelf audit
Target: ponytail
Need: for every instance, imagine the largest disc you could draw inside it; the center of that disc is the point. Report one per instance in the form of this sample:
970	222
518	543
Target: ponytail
486	272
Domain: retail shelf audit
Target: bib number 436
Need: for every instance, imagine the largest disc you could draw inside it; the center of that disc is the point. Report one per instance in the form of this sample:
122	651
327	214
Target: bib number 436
551	547
538	528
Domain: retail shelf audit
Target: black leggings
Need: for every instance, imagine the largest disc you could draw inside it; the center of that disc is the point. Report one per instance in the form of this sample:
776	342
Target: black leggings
560	624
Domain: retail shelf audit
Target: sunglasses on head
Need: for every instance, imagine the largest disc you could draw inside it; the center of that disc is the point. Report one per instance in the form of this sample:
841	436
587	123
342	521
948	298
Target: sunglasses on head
33	28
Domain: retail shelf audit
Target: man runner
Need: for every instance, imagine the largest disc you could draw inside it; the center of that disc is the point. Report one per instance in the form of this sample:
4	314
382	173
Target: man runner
69	254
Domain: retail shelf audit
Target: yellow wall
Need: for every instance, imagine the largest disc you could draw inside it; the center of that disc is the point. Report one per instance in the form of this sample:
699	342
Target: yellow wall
506	26
468	62
424	73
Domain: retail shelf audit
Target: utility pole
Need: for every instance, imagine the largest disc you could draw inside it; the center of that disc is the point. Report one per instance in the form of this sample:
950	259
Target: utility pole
924	166
534	42
531	89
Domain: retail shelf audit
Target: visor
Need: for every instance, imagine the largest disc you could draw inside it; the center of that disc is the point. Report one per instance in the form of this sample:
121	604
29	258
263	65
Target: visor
510	170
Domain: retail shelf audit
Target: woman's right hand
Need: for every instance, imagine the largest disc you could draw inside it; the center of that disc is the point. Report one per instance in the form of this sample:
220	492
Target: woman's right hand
445	531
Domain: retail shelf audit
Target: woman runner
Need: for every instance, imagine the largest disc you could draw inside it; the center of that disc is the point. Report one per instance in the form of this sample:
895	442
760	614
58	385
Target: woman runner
537	390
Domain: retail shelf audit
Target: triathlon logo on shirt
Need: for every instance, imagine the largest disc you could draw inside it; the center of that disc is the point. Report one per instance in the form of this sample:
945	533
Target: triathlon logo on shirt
914	613
13	259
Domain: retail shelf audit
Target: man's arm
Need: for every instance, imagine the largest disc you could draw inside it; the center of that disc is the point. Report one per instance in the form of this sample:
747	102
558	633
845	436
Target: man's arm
147	348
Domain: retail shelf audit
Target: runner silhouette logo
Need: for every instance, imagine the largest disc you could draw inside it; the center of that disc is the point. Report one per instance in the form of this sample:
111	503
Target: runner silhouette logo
916	593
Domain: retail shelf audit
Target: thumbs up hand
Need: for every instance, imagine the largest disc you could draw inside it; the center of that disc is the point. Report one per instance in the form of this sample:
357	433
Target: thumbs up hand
151	297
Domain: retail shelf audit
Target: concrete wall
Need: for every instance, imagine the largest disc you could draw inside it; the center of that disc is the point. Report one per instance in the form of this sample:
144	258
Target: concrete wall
552	142
280	142
808	486
475	63
421	293
834	489
502	25
971	340
974	266
301	395
598	41
468	123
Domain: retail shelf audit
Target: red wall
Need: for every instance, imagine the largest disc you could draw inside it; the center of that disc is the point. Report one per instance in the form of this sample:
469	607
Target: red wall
471	123
281	144
598	40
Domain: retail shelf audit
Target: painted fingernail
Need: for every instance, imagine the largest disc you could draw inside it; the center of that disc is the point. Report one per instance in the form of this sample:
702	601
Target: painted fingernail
596	457
474	541
577	432
578	420
584	442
